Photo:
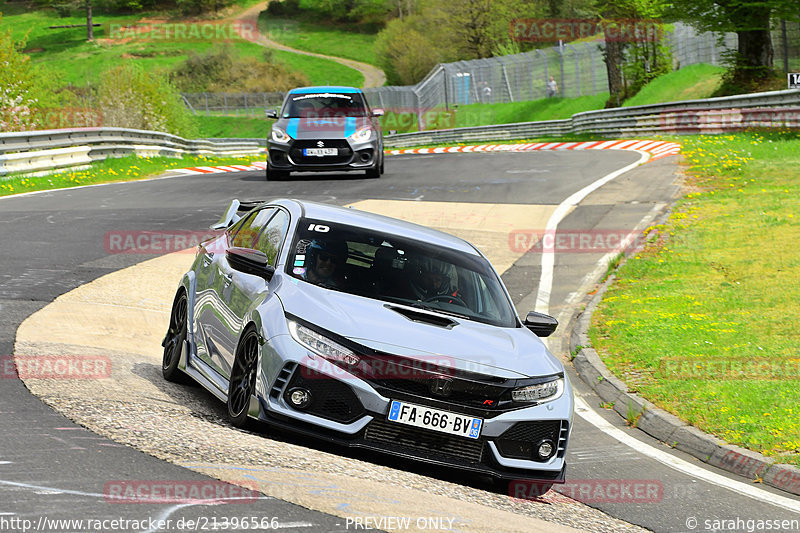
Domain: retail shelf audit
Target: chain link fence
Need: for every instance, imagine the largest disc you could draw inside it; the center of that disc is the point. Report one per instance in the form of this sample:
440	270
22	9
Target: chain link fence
577	69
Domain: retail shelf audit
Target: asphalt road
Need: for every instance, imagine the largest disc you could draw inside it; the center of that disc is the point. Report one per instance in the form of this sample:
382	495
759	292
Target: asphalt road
54	242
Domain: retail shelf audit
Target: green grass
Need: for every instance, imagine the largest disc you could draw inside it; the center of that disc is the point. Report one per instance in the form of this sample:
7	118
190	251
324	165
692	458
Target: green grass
119	169
321	39
689	83
718	282
65	54
321	71
224	127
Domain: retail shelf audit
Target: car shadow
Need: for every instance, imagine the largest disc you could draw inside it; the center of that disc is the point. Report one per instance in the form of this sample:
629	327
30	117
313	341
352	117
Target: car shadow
308	177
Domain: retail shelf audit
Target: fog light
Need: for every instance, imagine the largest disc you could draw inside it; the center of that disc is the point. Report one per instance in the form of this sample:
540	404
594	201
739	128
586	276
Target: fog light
546	449
365	156
299	398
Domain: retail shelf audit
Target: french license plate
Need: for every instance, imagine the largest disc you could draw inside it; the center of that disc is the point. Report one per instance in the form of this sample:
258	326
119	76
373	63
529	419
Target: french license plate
320	152
434	419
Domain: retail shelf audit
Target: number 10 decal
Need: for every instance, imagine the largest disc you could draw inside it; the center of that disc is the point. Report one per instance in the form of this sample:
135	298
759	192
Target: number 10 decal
319	228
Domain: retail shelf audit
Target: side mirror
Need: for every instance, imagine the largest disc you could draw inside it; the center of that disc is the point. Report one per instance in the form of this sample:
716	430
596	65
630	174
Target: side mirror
271	113
377	112
541	324
250	261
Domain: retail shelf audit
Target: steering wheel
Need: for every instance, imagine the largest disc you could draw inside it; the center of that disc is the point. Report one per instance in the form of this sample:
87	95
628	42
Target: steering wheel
447	298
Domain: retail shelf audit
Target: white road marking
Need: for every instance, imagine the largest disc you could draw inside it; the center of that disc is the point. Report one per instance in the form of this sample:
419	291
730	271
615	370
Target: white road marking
587	413
548	258
583	409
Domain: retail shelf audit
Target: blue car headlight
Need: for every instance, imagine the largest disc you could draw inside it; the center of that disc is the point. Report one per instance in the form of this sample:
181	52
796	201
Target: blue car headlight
322	345
280	136
539	393
362	135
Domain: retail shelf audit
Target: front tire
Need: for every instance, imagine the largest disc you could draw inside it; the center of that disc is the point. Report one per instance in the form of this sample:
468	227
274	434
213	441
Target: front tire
242	383
375	172
175	340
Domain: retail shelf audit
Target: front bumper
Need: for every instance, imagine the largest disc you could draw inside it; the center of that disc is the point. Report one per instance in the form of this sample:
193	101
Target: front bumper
350	155
351	412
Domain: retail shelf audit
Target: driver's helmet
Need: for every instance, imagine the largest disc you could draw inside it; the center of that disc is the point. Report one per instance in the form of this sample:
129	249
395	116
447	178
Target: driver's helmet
431	277
328	249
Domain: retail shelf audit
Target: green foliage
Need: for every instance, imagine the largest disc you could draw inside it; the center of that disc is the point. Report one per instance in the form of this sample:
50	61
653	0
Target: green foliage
362	11
131	97
194	7
221	69
689	83
406	52
25	91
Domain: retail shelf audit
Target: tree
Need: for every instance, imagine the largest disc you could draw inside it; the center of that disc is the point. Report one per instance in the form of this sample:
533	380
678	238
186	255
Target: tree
749	19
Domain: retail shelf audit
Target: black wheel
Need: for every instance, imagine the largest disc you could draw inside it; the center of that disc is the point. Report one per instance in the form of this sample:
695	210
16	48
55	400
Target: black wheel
243	379
374	172
382	165
175	340
277	175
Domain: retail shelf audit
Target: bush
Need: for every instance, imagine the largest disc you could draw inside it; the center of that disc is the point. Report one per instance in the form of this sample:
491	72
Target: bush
220	69
130	97
25	91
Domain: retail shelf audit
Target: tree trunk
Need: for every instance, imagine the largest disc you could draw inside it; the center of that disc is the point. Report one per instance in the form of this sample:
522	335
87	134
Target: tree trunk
613	59
755	48
89	25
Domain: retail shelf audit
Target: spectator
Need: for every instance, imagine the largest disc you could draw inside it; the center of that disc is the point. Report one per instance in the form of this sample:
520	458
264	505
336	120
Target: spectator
552	87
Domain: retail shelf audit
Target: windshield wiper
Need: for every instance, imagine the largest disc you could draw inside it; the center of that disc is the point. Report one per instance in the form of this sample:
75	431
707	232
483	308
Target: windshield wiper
420	305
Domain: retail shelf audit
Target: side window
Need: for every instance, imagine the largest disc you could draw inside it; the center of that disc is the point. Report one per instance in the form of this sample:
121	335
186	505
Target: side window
248	232
271	237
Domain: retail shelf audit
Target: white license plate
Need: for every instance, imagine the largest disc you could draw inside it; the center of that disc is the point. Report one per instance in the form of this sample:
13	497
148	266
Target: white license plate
320	152
434	419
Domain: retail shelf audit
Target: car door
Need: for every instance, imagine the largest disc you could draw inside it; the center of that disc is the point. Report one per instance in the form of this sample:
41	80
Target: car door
243	292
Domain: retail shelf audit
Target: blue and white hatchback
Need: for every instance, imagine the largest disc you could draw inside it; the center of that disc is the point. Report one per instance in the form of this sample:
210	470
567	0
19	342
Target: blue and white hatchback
370	332
325	129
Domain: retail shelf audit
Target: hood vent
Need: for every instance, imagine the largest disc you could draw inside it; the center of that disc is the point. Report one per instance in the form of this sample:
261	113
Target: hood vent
423	317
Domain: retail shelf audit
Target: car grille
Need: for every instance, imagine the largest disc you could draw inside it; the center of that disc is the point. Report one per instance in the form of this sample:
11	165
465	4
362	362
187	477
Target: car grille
331	398
345	152
463	392
518	441
431	443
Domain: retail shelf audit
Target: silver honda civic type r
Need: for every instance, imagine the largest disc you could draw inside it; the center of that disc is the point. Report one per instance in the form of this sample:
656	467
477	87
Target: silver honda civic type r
370	332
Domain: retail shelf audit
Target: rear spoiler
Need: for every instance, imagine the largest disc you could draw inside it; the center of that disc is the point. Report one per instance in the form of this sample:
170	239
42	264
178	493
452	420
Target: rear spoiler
231	214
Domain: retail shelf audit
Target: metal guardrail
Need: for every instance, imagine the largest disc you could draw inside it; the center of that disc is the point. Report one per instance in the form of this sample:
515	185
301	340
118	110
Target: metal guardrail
55	149
713	115
37	151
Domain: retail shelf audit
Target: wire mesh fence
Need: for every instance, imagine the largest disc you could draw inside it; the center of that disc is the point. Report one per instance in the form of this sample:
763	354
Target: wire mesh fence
572	70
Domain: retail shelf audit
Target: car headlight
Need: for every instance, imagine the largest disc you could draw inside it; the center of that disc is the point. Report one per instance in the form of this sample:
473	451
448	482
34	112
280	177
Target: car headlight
280	136
362	135
541	392
322	345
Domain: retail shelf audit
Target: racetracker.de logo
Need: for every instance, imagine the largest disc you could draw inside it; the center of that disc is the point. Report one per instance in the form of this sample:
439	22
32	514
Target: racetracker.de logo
573	241
55	367
555	30
155	242
166	491
590	491
184	32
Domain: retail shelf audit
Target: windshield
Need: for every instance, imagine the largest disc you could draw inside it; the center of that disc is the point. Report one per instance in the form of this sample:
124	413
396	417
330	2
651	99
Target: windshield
324	105
399	270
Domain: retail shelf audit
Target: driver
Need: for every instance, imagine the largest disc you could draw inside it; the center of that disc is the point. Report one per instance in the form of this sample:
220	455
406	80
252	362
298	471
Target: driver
326	259
432	278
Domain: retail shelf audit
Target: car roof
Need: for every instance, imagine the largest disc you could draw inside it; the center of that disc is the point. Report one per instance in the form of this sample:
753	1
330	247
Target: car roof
324	89
372	221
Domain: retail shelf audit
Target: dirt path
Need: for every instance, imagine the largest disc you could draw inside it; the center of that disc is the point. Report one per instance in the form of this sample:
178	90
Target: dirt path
373	76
